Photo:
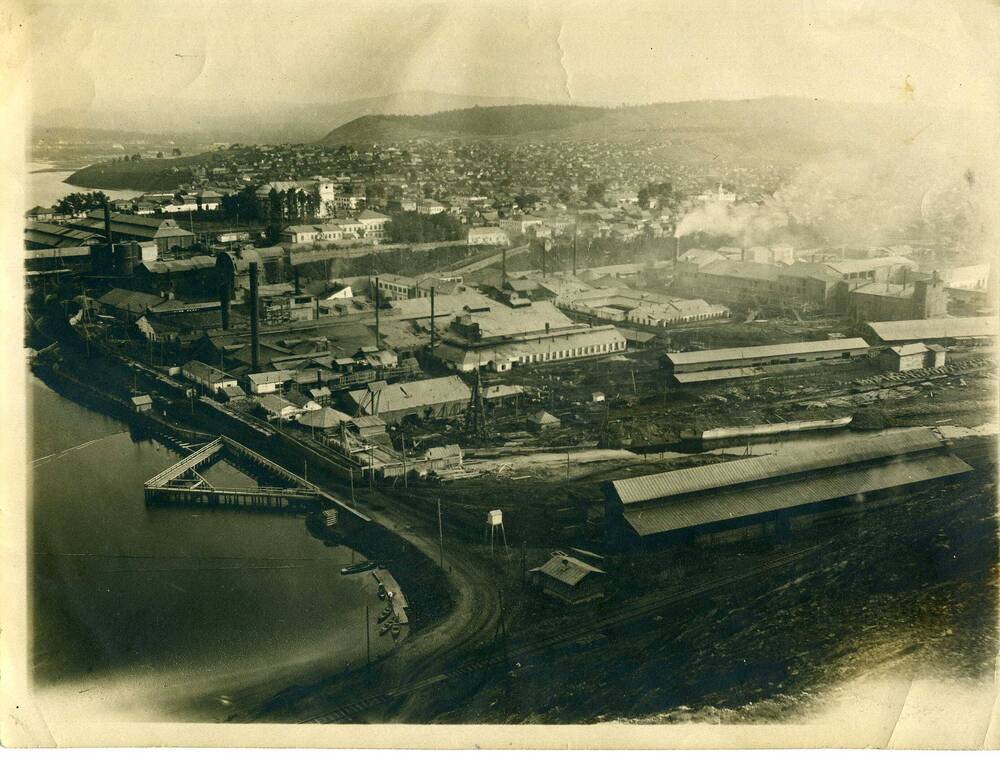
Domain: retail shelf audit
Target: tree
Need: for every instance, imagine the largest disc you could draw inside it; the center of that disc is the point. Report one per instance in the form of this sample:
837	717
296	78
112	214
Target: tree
526	201
159	154
176	151
595	192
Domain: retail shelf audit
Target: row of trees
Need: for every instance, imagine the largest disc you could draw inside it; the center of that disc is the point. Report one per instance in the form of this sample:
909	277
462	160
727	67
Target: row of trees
81	202
417	227
661	192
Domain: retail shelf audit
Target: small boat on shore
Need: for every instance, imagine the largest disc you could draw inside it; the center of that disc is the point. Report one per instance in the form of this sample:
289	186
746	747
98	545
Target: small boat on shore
384	615
395	631
359	568
385	628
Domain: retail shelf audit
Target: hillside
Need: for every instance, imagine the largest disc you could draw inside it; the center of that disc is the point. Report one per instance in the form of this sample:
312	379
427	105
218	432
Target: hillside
767	127
148	174
257	121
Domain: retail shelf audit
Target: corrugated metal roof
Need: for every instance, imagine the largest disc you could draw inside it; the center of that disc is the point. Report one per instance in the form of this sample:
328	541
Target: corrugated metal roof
766	351
935	328
708	508
716	375
684	481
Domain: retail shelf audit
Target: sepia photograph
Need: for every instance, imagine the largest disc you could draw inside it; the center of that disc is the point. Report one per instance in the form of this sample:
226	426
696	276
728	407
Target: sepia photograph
480	374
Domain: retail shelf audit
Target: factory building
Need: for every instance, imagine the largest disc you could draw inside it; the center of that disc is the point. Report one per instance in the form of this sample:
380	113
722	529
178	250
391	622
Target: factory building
441	397
642	308
939	330
757	282
736	362
757	496
886	301
498	337
165	232
39	235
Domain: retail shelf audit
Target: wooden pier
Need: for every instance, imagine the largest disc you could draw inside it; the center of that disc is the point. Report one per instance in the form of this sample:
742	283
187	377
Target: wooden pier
183	484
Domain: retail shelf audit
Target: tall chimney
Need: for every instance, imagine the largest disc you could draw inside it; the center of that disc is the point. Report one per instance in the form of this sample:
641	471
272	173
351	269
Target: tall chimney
503	268
254	316
378	307
107	222
677	250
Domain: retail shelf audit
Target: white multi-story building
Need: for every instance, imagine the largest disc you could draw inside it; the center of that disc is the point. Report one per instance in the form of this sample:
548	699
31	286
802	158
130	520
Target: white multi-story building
374	225
488	235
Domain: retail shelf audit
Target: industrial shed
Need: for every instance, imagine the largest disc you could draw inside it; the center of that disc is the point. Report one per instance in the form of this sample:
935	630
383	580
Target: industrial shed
934	329
734	362
442	397
768	491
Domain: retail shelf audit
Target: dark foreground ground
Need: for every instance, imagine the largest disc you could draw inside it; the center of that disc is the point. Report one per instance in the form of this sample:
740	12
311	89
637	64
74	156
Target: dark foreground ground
910	587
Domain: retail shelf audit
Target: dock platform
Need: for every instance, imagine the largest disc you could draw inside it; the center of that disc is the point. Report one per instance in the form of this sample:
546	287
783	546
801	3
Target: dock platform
182	484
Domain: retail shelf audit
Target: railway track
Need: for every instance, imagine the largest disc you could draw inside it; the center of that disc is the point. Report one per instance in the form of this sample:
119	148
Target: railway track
632	612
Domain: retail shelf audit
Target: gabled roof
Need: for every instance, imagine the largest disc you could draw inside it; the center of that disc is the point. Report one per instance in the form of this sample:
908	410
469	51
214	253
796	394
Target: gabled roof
714	476
566	569
419	394
129	300
755	352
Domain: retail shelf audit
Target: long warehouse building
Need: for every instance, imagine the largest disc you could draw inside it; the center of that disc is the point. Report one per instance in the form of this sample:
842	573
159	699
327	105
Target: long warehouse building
758	494
736	362
980	328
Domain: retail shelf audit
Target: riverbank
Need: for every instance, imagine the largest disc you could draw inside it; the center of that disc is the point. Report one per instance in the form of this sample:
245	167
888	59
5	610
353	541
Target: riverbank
47	183
440	606
146	174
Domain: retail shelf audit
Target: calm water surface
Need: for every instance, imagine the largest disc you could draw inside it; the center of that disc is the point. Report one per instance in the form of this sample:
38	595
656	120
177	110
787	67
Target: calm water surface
123	592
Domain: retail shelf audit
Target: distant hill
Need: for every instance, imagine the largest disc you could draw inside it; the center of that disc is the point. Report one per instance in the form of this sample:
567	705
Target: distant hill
767	127
257	121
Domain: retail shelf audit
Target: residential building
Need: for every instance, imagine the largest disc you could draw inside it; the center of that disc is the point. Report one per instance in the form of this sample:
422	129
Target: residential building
209	378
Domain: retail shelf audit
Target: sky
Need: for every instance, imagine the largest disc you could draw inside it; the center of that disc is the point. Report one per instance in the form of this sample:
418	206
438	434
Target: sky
91	53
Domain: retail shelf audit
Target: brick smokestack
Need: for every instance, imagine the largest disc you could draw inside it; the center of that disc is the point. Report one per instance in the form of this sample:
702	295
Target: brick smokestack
107	222
503	268
254	316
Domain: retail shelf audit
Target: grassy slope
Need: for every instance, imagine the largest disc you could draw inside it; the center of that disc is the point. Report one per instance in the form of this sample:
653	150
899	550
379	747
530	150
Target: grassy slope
148	174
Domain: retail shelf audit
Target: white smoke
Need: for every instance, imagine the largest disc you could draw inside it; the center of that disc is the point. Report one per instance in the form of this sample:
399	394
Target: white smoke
938	181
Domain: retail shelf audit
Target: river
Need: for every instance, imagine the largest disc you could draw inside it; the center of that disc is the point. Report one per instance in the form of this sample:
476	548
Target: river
171	613
46	186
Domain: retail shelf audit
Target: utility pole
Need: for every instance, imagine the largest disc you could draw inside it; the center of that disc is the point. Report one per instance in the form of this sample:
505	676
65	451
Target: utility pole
440	537
403	445
574	249
524	563
378	307
433	332
368	638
